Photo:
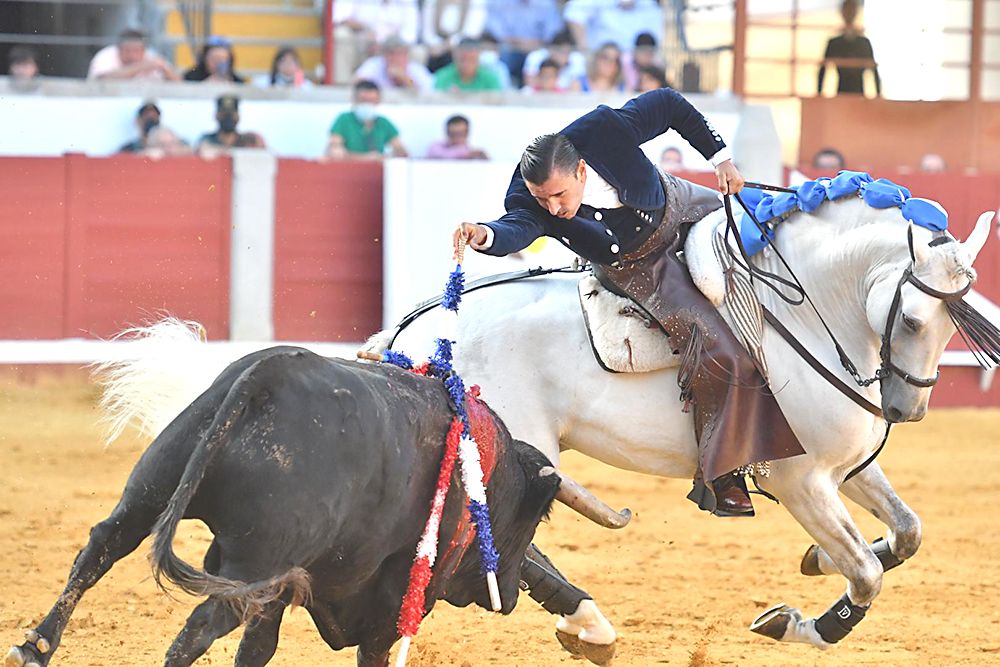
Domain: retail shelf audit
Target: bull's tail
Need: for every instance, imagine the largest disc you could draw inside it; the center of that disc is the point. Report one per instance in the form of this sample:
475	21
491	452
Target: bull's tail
246	598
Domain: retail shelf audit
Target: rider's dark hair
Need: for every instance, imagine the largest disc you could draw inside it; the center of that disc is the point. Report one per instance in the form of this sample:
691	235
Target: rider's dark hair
548	153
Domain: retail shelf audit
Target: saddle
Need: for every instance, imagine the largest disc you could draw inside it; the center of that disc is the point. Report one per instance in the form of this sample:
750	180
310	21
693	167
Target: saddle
625	339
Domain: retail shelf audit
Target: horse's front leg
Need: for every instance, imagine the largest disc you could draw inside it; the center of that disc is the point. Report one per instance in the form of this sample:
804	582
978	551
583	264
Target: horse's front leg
582	629
814	502
872	491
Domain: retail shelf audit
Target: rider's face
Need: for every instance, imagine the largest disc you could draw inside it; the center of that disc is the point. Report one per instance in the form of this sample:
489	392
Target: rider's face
562	193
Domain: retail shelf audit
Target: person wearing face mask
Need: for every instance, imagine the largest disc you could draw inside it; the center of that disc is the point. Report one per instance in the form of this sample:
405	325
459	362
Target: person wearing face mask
216	63
147	118
227	114
592	187
361	132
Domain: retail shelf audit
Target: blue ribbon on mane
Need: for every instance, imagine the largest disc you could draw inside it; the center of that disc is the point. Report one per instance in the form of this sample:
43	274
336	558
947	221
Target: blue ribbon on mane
770	209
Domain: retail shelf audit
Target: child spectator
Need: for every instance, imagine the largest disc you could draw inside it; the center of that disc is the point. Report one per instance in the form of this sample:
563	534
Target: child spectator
362	132
547	79
644	54
456	145
572	64
651	77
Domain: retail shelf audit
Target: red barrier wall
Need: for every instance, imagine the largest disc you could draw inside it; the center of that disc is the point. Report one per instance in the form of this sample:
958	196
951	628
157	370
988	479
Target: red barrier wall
328	250
92	245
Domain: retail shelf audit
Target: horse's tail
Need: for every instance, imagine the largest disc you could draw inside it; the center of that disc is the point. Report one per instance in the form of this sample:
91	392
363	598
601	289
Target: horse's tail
165	366
247	599
379	342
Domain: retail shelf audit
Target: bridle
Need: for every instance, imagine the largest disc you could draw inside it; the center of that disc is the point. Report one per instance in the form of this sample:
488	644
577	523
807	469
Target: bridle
885	352
776	282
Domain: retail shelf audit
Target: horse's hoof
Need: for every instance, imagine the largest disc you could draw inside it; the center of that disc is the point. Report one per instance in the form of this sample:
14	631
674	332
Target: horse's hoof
810	562
14	658
774	622
43	646
599	654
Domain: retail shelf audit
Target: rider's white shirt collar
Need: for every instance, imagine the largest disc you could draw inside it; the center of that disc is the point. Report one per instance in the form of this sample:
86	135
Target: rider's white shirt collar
597	192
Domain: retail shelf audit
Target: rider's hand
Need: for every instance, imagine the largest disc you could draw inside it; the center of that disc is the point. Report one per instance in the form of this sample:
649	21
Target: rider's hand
730	179
473	234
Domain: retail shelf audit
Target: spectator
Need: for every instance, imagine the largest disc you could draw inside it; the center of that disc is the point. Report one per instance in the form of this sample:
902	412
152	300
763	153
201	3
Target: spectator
164	142
520	27
932	163
444	23
362	132
605	71
489	57
652	77
851	53
130	59
22	63
395	69
216	63
456	145
671	160
572	64
147	118
227	113
372	22
547	79
644	54
286	71
465	73
595	22
828	160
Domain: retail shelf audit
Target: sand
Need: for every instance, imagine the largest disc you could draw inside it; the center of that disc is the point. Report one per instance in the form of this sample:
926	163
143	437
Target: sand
680	586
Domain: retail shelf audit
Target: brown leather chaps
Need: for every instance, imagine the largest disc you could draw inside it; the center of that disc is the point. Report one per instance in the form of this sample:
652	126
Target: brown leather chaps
737	419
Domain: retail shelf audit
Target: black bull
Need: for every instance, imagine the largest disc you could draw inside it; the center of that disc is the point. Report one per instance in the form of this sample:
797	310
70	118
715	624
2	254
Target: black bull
315	477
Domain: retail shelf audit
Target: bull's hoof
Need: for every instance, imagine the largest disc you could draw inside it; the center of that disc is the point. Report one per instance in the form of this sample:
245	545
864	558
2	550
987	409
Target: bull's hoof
599	654
810	562
774	622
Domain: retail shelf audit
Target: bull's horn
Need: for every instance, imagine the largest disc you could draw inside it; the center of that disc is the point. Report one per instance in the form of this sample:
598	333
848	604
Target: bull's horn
573	495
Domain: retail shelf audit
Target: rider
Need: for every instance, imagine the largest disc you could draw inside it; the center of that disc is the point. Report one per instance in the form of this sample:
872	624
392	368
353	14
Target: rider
592	187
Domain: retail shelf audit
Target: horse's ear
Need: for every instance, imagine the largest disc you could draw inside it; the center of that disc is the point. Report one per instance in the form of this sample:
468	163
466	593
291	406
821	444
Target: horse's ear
918	252
977	238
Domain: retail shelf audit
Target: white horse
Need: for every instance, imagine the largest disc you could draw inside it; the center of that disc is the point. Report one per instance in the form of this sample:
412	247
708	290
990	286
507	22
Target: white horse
525	344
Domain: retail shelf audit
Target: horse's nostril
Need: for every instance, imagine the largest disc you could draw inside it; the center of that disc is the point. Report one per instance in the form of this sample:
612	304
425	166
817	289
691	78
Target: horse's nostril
893	415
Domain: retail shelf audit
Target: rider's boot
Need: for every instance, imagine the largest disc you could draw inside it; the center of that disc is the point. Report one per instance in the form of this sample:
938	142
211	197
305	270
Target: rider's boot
727	496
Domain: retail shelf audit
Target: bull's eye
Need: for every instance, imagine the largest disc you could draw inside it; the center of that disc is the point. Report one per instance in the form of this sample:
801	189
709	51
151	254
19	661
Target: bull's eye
910	323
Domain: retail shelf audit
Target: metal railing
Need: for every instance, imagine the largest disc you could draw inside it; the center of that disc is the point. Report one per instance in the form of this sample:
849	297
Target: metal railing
196	15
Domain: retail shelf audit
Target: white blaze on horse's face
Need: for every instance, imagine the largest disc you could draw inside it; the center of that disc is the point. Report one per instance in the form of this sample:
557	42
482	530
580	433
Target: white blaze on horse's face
922	327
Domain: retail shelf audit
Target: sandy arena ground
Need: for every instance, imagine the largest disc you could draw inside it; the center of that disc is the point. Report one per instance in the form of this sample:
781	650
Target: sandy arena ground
680	586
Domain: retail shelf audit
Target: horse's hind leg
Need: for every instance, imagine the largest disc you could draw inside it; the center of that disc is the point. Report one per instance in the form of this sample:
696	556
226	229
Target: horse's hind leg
260	639
816	505
872	491
110	541
210	620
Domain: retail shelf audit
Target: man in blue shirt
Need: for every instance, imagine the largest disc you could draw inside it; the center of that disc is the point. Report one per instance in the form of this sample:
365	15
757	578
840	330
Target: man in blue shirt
592	187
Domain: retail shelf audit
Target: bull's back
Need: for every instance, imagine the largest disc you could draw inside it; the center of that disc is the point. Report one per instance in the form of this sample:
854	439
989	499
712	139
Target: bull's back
328	458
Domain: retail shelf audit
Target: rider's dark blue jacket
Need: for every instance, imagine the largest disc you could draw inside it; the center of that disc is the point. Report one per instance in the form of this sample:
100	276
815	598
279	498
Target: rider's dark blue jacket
608	140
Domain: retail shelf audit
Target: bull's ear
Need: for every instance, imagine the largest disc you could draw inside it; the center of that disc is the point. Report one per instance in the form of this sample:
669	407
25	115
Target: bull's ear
977	239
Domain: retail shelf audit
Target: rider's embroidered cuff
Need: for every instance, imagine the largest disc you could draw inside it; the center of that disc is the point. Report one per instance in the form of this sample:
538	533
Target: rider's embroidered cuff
884	554
720	157
839	620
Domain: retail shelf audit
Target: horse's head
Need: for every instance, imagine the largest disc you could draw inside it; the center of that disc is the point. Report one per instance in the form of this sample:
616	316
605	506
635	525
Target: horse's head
909	309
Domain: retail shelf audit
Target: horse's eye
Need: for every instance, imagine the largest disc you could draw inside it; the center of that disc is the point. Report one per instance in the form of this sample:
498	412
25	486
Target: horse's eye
911	324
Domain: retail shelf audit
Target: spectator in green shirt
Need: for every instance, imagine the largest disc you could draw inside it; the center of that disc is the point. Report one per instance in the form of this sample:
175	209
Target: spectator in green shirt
362	132
466	73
